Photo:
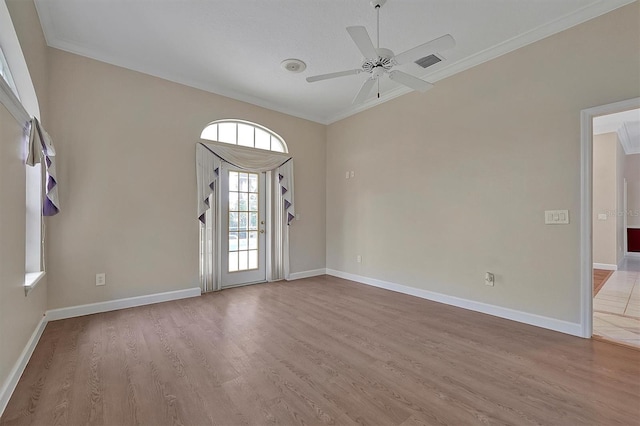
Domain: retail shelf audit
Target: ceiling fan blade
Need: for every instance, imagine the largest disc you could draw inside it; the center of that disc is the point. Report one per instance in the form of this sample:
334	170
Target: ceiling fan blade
333	75
364	91
361	38
434	46
410	81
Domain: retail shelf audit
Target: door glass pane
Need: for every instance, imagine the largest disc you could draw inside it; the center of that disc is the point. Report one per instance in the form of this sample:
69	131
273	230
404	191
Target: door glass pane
243	221
253	183
253	221
253	259
244	217
233	241
242	202
233	221
233	181
233	261
233	201
243	182
243	263
253	240
253	202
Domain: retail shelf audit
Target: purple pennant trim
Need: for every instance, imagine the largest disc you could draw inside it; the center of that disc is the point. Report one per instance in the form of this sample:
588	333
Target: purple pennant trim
290	218
48	161
51	182
287	204
280	177
201	219
283	189
49	209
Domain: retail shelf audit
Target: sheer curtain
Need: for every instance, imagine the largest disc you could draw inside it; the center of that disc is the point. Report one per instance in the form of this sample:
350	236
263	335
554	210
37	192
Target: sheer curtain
279	167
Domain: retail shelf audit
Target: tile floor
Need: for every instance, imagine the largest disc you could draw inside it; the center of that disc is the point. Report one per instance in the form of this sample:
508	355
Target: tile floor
616	307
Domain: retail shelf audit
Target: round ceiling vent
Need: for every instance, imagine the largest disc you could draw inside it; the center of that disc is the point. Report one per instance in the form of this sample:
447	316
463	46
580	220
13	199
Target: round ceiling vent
293	65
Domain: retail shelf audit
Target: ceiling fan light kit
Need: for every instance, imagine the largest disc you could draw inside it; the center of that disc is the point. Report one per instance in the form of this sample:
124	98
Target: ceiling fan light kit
379	61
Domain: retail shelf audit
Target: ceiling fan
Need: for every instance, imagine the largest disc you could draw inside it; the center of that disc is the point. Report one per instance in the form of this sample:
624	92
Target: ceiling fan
379	61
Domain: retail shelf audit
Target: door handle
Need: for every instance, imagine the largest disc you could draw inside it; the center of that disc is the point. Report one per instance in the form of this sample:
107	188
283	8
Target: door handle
262	231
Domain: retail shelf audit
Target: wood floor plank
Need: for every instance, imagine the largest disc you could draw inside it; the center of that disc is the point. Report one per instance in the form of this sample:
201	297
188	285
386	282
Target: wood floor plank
319	351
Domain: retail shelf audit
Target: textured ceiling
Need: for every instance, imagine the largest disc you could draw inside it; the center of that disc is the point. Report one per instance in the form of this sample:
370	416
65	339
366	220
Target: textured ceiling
234	47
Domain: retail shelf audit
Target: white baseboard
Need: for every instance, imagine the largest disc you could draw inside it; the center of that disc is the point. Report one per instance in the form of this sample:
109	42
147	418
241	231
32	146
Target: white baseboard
114	305
14	375
307	274
633	255
605	266
566	327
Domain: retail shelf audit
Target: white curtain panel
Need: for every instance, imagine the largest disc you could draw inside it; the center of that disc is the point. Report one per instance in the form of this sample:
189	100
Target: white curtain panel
209	158
209	276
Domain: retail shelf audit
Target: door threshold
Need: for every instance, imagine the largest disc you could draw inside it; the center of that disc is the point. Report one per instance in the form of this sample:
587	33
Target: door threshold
244	284
615	342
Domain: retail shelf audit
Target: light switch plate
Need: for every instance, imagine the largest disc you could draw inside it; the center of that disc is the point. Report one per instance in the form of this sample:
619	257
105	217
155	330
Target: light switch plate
556	217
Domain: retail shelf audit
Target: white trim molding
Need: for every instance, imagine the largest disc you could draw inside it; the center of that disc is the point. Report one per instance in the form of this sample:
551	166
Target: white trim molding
554	324
114	305
605	266
11	382
13	104
586	182
633	255
307	274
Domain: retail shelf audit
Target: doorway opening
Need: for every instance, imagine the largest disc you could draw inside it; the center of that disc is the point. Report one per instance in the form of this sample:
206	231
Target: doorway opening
610	192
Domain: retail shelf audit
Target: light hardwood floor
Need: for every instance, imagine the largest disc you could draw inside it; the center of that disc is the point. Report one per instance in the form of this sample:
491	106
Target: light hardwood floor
319	351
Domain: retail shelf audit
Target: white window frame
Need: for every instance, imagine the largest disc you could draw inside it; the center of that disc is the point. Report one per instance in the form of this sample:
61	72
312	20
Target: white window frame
211	132
34	185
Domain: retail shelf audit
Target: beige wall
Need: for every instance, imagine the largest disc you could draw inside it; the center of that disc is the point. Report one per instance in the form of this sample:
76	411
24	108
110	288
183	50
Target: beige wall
19	315
126	144
453	183
605	197
632	174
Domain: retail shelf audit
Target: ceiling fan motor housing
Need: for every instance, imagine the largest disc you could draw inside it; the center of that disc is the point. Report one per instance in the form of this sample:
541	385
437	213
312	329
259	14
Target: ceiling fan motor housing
384	62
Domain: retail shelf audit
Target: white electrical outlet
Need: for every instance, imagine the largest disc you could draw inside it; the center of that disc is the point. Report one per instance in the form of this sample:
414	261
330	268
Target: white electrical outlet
352	173
346	176
359	259
101	279
489	279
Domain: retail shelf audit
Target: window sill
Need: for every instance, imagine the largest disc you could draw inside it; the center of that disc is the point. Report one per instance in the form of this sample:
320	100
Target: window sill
31	279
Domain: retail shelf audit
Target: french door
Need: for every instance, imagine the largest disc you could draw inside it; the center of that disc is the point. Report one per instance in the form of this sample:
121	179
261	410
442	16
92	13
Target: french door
243	259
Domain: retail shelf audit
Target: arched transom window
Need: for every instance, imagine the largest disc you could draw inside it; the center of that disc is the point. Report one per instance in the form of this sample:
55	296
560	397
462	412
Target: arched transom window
244	133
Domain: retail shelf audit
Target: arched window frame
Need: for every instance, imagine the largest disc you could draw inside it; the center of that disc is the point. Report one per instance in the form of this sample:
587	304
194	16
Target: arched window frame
222	131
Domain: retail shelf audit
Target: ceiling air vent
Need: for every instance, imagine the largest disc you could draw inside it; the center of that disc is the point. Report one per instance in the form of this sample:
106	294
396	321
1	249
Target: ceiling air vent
428	61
